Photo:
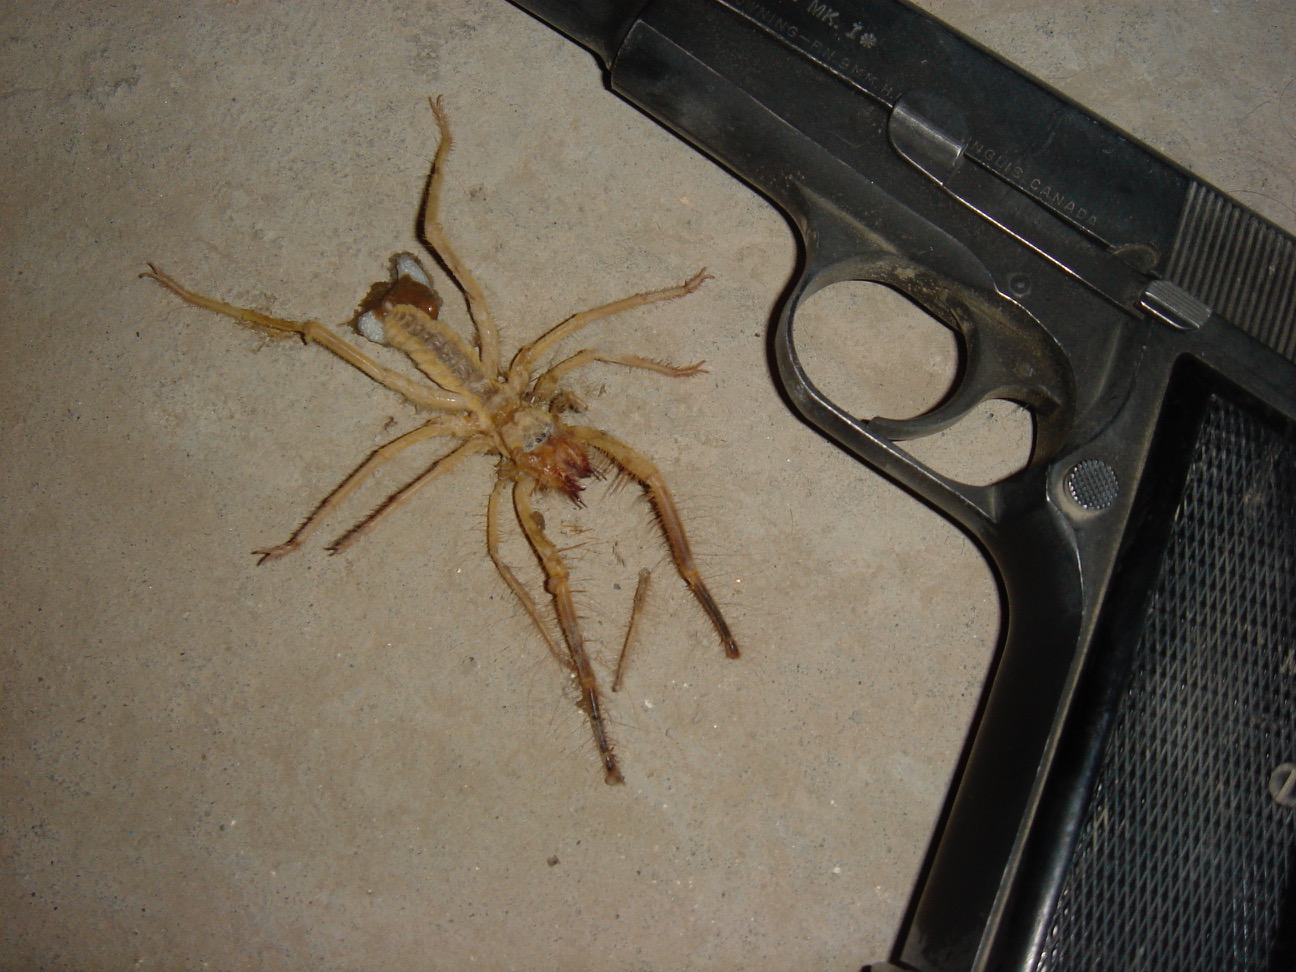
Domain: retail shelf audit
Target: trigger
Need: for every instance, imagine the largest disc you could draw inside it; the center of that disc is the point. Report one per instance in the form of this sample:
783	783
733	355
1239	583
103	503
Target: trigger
985	377
940	418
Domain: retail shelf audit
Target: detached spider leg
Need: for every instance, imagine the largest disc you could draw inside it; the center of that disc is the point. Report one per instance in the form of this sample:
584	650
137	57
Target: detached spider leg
636	609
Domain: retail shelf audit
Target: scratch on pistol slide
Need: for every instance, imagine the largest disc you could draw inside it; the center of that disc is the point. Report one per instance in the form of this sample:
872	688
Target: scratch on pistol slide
515	411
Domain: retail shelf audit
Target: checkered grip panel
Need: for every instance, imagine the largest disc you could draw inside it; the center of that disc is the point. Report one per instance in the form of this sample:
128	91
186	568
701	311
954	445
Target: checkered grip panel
1185	858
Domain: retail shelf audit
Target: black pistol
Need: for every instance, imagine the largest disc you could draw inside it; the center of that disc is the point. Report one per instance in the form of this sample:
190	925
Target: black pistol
1127	797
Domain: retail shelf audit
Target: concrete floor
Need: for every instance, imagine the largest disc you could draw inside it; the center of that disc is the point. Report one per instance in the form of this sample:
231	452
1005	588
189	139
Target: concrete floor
370	761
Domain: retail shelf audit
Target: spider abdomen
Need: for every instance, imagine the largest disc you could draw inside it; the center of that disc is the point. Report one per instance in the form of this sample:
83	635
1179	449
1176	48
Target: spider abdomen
439	352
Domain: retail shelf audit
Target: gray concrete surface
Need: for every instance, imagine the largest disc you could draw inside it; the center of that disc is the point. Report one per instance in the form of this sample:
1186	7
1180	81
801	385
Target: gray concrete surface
369	761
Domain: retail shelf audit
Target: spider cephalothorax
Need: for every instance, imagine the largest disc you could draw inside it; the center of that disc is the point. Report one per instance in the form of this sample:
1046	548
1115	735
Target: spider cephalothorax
512	413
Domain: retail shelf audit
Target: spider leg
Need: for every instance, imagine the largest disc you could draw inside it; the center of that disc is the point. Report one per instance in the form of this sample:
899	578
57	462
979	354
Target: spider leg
639	467
441	425
524	361
636	609
472	447
435	236
506	572
312	332
547	384
559	586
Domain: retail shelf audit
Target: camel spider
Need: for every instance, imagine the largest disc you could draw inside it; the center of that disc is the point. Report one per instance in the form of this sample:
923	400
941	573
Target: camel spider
511	413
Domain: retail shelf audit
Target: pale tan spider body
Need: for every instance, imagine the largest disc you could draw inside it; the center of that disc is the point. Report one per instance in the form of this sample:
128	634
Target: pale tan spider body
529	436
511	413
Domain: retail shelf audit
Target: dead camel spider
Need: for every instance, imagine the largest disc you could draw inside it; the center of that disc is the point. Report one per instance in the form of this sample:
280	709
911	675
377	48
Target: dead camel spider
511	413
